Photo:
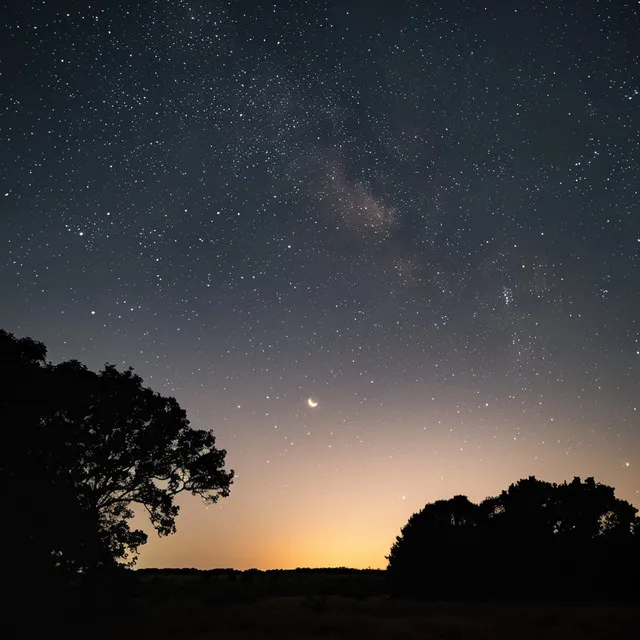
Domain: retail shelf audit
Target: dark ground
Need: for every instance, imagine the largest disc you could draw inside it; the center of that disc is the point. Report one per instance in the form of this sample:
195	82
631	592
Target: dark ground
323	604
377	617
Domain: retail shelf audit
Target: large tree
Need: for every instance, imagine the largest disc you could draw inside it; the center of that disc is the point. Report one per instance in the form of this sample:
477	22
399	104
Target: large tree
85	447
535	538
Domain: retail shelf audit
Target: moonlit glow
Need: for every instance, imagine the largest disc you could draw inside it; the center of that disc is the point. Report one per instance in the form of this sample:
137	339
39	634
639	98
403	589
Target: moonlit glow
312	403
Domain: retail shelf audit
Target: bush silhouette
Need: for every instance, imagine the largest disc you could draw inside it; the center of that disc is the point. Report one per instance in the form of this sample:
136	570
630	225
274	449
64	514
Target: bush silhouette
536	539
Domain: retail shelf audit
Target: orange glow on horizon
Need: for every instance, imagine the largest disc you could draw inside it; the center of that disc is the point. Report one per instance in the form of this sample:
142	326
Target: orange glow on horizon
341	515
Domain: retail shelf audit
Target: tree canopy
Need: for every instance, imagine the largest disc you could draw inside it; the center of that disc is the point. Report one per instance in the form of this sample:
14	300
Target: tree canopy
534	538
82	448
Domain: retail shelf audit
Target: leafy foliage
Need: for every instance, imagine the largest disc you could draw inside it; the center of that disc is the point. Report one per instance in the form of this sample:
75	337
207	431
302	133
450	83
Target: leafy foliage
533	538
83	448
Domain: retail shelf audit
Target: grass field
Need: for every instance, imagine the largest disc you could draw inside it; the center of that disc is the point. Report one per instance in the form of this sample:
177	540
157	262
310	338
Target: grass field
303	603
375	617
313	604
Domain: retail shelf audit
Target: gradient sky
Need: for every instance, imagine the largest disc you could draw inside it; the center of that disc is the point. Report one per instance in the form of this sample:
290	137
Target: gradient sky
423	215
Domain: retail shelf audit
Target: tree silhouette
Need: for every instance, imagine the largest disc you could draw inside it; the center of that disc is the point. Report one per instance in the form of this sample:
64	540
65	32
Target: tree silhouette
432	539
573	512
534	538
83	448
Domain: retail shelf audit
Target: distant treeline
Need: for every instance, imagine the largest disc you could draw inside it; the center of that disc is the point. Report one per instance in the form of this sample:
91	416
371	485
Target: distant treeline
231	585
229	571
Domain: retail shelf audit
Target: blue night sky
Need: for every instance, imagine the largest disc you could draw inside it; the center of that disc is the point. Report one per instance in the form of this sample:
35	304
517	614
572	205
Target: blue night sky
424	216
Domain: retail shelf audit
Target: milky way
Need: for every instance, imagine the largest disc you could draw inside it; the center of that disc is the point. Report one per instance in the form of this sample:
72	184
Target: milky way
424	214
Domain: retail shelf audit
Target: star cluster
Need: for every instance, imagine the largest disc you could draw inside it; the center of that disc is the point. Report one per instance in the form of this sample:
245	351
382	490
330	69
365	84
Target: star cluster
423	215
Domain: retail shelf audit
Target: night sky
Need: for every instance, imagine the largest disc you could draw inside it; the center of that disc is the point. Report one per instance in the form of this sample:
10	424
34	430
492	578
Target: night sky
424	216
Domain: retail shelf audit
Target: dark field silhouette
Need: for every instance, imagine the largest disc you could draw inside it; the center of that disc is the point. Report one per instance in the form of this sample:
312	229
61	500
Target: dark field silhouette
383	618
330	603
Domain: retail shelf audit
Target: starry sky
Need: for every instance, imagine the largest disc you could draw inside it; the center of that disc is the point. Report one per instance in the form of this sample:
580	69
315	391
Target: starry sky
425	216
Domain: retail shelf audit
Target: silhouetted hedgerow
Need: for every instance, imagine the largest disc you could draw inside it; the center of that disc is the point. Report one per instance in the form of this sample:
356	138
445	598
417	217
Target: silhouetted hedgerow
535	540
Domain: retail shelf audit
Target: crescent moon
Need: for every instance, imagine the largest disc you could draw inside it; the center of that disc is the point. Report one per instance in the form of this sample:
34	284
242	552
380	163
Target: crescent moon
312	403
